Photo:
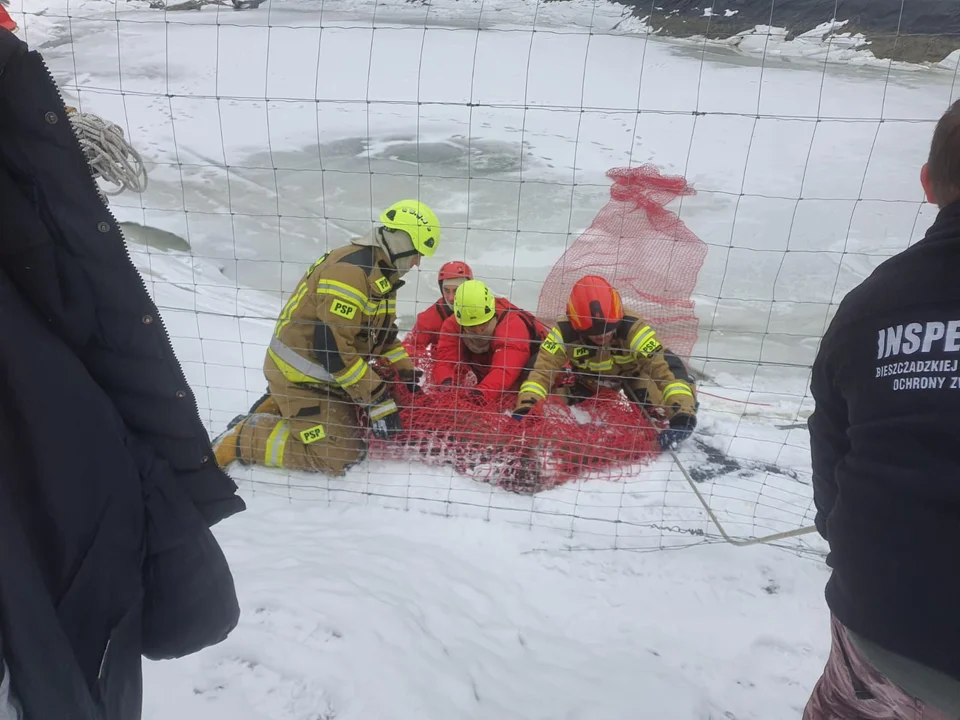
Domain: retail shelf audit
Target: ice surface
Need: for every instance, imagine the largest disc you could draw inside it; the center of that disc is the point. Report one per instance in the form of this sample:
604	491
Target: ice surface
273	122
274	135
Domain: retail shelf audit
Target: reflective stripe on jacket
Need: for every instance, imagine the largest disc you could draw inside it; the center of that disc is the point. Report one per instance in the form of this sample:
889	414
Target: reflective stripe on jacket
634	355
341	316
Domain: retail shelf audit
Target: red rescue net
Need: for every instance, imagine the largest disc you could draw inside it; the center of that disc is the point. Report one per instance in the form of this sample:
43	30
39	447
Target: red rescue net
647	253
643	250
600	437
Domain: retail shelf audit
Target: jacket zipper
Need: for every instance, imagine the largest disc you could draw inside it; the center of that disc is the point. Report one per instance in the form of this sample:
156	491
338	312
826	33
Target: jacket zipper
116	226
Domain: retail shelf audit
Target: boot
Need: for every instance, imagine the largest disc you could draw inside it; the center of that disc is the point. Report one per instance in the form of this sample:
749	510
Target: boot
227	444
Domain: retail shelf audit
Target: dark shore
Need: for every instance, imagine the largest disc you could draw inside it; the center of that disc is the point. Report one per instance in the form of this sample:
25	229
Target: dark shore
909	30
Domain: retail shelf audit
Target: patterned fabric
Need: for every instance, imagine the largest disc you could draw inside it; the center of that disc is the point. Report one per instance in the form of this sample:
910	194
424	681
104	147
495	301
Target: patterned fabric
852	689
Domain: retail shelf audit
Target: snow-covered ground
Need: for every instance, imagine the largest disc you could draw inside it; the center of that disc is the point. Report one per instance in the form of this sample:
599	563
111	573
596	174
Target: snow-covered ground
362	613
405	591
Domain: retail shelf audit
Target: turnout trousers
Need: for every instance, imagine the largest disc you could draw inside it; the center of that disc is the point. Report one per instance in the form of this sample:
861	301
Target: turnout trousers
315	431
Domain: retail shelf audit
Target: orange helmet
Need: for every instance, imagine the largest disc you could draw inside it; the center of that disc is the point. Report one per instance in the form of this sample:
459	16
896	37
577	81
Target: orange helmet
594	307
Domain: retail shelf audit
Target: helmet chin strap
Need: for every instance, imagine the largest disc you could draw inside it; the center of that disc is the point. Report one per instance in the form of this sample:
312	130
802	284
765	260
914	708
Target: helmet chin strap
388	238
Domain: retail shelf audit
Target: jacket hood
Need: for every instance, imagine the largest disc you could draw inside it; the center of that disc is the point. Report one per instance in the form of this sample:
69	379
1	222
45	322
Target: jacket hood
393	243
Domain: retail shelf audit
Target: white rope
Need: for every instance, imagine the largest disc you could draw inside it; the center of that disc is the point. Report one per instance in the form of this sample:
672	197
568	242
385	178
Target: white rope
109	154
723	533
706	506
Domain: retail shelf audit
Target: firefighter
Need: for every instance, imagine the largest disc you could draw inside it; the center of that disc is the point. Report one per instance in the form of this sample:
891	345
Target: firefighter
340	317
602	346
425	333
489	336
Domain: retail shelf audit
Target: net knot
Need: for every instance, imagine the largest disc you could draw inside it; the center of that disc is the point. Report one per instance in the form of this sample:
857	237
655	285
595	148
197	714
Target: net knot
646	187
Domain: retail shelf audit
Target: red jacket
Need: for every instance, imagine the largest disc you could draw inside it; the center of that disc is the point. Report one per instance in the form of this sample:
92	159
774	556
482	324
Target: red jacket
426	330
6	22
499	369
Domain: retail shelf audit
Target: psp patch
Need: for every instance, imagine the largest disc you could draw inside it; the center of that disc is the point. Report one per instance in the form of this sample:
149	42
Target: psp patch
649	347
344	309
581	352
311	435
383	285
550	346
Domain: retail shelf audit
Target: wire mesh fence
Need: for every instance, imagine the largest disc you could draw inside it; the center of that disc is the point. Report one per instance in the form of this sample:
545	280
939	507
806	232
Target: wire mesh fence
275	135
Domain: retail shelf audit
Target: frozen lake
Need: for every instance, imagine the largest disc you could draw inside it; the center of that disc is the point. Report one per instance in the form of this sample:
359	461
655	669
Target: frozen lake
274	134
271	138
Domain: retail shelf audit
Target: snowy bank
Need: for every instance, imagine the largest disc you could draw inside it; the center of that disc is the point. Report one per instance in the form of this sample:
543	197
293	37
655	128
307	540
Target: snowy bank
365	613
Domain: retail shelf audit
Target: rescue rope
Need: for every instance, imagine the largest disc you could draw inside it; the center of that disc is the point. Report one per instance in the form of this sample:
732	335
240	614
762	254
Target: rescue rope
738	543
108	153
730	399
706	506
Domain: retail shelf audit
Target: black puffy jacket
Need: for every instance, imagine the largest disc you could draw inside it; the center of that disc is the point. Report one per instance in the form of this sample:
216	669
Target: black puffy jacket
108	483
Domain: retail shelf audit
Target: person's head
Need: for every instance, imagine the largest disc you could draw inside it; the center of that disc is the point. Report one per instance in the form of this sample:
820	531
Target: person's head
410	231
940	175
475	309
451	276
594	309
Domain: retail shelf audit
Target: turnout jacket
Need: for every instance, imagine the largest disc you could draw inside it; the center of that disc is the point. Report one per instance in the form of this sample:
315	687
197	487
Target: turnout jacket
425	332
108	483
512	350
341	316
885	451
635	355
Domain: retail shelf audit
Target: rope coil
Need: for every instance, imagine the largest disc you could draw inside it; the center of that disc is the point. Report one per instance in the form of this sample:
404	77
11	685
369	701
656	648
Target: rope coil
108	153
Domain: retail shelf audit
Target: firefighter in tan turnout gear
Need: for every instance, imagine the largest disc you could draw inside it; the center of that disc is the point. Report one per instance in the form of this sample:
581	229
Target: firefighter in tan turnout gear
602	346
340	317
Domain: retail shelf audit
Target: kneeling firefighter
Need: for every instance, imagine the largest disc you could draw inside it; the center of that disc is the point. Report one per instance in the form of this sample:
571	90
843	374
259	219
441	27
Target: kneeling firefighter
604	347
341	316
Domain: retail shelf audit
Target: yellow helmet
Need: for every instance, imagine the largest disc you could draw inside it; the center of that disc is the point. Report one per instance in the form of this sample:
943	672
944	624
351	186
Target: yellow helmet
418	221
473	304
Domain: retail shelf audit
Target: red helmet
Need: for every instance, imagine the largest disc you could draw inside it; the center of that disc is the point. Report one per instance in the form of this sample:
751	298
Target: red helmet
453	270
594	307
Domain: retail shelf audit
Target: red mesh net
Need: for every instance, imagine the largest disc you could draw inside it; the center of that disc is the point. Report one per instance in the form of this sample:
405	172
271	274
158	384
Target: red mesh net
642	249
602	436
653	259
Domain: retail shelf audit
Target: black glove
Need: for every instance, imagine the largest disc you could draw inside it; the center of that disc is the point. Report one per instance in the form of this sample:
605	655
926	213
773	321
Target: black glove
640	397
681	427
411	378
521	412
387	422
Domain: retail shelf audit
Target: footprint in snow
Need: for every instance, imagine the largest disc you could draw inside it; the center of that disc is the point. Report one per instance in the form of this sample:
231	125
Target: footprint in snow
280	622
